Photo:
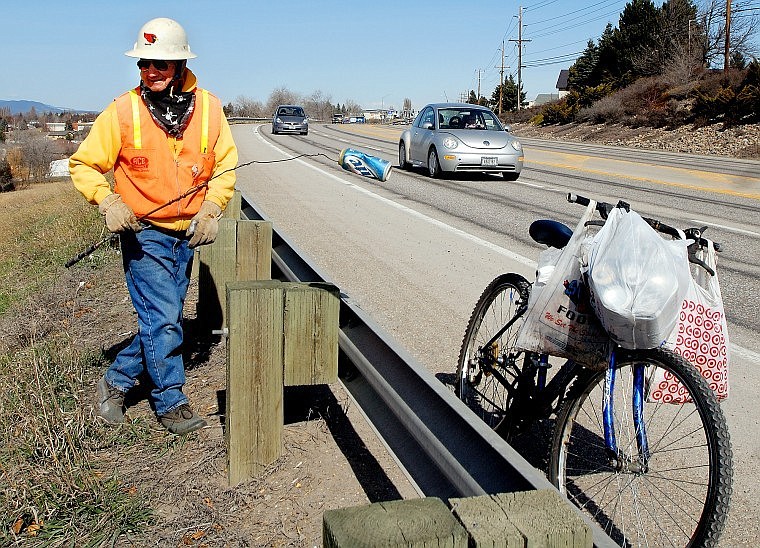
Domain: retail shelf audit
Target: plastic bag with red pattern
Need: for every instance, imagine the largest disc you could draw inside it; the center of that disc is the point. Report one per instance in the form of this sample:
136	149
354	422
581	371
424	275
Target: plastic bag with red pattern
700	336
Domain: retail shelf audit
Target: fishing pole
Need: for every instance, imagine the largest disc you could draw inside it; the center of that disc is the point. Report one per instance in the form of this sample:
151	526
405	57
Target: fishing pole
91	249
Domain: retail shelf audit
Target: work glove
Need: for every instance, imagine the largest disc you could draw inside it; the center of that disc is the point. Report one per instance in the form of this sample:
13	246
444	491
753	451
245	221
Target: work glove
205	225
119	216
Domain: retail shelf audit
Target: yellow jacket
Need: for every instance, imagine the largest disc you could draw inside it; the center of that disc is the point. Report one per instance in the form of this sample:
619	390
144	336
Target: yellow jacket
104	149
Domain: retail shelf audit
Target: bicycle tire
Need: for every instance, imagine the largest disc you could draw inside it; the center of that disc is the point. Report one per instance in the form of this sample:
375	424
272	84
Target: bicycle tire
481	390
675	500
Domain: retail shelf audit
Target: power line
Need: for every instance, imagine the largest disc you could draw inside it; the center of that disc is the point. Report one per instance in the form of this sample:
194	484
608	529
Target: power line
548	31
607	2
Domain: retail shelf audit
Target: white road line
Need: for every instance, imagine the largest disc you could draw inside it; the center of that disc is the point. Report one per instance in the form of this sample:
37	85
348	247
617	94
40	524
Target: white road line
729	228
746	353
530	184
461	233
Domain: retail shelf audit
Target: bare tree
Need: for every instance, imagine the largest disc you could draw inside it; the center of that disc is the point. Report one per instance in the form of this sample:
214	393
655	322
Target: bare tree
352	107
712	24
319	106
245	106
38	152
281	96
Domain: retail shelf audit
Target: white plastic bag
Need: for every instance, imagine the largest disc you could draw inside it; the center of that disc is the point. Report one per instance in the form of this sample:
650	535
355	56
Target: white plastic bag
559	319
700	336
637	280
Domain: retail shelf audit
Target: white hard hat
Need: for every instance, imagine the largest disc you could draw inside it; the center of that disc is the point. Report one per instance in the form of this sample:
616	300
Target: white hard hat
161	38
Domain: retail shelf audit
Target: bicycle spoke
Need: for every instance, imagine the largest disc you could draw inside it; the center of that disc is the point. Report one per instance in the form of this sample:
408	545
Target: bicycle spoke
662	498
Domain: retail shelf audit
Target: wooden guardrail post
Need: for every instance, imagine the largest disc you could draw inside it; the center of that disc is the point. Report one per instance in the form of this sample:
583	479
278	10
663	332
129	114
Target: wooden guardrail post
310	328
242	251
413	523
526	518
232	211
254	412
278	333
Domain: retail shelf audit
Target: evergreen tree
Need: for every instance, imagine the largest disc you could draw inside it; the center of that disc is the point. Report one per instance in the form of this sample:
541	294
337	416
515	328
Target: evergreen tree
6	175
581	71
508	96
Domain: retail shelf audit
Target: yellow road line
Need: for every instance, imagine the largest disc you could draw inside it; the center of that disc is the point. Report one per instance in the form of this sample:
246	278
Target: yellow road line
730	192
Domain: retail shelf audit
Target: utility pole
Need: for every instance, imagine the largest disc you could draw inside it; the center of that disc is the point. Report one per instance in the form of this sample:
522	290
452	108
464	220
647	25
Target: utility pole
501	77
728	37
477	97
519	54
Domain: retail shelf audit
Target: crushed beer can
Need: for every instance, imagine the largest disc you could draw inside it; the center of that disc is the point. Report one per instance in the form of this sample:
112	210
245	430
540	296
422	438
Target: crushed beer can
363	164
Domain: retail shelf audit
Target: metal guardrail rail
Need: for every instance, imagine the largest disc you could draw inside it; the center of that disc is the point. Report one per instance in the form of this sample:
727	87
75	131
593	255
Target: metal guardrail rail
445	450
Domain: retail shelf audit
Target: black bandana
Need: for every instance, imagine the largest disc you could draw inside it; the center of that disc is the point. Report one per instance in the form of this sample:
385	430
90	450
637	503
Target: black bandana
170	109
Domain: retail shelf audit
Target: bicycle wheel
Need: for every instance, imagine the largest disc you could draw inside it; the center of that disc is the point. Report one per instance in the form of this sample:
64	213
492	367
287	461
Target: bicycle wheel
679	494
486	376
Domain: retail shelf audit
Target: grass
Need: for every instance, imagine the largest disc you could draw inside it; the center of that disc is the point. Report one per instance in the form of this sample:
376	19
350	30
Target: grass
53	488
41	227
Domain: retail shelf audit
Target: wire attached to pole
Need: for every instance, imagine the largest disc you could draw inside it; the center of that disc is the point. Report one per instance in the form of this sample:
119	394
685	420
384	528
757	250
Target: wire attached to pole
91	249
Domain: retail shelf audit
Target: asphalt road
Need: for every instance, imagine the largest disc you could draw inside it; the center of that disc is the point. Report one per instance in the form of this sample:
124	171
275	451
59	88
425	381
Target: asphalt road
416	253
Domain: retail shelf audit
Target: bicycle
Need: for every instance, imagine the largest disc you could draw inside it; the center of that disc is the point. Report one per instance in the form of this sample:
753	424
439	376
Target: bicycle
649	473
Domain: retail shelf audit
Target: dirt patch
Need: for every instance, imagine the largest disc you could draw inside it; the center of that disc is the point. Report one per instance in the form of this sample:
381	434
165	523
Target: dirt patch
330	457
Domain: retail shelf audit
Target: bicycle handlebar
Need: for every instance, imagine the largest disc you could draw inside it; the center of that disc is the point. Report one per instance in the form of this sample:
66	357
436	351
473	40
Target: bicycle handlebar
695	234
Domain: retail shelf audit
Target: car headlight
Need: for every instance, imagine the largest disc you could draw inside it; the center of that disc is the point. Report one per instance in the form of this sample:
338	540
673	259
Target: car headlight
516	145
305	121
450	143
278	120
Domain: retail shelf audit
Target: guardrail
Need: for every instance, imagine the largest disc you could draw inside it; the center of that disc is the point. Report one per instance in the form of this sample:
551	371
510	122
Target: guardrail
444	449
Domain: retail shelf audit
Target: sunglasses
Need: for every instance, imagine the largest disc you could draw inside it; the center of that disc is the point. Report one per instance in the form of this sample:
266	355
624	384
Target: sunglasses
157	64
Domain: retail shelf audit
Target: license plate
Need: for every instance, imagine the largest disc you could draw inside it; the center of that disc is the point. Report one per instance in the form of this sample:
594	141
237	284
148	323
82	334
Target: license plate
489	161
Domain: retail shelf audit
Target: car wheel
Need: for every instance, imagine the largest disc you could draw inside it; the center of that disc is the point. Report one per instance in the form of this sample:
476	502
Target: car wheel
510	175
402	163
305	133
434	166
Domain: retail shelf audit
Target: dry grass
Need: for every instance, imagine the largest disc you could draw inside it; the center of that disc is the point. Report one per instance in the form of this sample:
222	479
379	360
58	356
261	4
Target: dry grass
41	227
51	489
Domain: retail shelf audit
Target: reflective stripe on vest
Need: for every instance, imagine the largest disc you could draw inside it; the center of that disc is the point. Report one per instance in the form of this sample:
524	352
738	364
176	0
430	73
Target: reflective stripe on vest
204	122
136	120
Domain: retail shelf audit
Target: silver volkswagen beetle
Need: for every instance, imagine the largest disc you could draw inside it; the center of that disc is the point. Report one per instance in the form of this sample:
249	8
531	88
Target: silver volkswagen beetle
460	138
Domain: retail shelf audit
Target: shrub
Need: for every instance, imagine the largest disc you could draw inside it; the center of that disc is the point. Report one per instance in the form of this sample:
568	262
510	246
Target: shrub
732	97
6	176
559	112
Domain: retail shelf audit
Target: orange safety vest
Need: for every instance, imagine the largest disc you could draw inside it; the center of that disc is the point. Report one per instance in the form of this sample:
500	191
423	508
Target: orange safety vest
148	173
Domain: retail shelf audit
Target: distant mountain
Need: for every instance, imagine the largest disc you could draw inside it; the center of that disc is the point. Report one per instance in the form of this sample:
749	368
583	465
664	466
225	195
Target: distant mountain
22	107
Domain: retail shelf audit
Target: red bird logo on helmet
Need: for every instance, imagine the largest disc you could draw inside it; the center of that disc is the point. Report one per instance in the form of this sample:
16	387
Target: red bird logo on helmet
151	38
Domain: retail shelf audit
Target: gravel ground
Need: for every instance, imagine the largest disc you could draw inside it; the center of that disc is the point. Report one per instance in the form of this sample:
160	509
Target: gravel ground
737	142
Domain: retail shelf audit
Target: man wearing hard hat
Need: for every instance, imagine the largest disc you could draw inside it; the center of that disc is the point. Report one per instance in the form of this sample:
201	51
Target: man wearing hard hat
164	139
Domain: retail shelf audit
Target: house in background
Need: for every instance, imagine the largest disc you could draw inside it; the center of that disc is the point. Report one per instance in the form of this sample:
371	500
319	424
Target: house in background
562	90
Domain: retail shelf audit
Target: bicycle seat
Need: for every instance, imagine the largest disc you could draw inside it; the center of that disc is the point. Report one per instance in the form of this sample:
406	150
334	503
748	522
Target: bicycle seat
551	233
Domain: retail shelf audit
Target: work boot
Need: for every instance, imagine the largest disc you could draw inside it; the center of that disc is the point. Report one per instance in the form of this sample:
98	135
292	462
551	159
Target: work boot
182	420
110	402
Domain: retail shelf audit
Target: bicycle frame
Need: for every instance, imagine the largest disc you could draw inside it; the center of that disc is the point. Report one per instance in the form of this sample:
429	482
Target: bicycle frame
619	459
543	396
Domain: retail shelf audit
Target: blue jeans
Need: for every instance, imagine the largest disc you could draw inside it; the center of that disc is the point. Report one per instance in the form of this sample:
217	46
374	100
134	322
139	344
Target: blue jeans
157	270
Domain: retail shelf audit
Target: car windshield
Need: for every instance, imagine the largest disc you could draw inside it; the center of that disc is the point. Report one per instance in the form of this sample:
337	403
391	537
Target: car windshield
468	118
290	111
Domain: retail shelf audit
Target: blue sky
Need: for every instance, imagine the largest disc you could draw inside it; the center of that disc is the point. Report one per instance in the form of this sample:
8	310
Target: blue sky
376	53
